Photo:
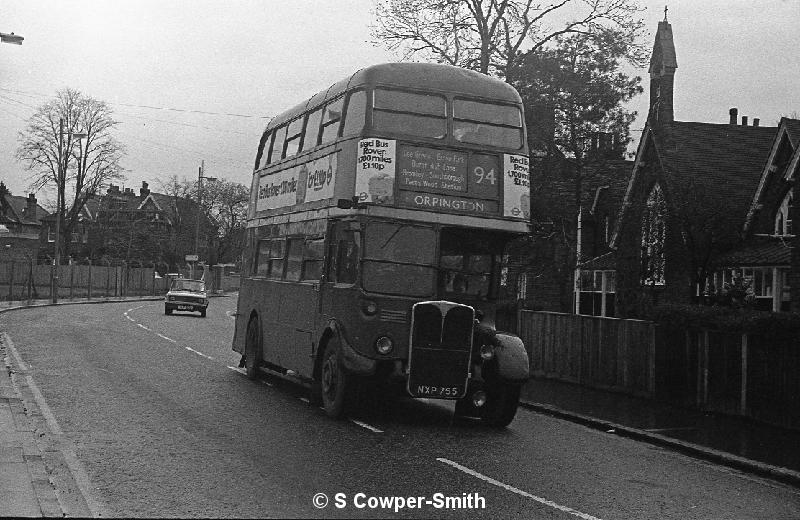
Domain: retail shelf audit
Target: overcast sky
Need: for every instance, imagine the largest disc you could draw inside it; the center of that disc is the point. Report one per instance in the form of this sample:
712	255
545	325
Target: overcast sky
197	80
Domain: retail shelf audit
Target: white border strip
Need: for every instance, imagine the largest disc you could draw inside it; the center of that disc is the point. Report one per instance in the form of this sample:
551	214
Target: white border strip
525	494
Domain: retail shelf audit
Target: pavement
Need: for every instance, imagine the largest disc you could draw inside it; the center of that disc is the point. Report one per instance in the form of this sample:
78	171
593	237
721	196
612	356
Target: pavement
28	490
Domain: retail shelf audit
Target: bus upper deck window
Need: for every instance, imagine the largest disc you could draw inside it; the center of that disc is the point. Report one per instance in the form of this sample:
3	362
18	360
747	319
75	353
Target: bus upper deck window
276	151
266	142
423	115
356	112
487	123
331	117
294	135
312	129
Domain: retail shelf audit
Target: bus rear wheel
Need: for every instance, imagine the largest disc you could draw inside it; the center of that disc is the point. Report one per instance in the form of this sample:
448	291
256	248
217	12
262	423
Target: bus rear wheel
501	406
333	381
252	348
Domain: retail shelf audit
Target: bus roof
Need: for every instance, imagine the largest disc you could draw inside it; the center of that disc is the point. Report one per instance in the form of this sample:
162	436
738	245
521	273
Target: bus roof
425	76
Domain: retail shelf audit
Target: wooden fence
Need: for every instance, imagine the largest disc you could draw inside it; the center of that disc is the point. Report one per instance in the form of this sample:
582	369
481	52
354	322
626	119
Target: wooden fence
729	373
27	281
605	353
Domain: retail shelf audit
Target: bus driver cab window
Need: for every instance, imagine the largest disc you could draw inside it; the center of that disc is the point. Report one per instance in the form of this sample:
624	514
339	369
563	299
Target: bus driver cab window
343	254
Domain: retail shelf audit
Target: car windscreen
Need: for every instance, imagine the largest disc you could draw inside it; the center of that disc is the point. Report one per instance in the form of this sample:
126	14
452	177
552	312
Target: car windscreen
188	285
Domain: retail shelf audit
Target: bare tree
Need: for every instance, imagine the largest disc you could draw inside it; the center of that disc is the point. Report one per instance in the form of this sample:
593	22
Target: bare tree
52	150
490	35
226	204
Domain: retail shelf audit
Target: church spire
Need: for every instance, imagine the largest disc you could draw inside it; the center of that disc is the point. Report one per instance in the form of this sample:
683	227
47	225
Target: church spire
662	73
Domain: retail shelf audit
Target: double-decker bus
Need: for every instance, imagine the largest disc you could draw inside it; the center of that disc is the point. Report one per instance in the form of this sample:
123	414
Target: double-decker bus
379	213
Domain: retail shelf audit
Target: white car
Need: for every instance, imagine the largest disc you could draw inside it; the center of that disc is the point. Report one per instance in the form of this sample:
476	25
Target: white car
186	295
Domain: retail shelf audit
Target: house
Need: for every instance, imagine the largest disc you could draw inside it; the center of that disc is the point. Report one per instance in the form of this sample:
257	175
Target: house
20	226
687	199
565	234
768	260
145	228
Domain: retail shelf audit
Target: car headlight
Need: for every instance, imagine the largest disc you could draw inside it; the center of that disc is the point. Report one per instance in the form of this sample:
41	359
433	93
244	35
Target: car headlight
384	345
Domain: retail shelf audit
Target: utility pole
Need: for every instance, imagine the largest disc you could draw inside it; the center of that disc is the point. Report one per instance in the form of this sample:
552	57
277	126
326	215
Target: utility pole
200	178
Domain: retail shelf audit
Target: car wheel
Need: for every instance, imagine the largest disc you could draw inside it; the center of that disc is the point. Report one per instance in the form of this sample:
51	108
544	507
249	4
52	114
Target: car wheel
253	350
167	311
333	381
203	313
501	405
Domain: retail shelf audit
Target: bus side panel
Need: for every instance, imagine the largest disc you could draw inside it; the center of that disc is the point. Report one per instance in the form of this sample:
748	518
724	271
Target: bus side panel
298	308
244	308
269	296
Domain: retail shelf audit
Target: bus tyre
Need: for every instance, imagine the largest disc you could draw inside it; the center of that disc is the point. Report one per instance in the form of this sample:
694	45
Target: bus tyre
333	381
501	406
252	348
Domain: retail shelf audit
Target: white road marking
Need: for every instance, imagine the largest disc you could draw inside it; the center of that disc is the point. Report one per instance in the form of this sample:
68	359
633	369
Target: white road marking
166	338
305	400
518	491
365	425
237	369
142	326
74	465
190	349
684	428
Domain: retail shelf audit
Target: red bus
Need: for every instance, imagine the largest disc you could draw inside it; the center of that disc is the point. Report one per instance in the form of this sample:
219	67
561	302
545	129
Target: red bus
379	214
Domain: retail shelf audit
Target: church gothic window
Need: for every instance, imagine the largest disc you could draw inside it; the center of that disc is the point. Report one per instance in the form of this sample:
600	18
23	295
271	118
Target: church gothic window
653	237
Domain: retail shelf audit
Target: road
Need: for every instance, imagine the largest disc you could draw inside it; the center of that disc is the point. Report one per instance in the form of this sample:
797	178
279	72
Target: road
163	424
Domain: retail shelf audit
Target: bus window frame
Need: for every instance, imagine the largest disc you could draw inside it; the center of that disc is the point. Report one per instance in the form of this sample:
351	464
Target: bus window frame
282	128
262	158
455	119
318	109
346	112
325	124
298	136
446	117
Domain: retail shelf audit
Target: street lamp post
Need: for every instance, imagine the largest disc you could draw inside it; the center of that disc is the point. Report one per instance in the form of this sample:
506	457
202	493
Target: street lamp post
60	202
200	178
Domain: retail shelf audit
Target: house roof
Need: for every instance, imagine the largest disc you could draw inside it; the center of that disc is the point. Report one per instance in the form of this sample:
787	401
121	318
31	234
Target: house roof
790	128
758	251
18	204
606	262
725	160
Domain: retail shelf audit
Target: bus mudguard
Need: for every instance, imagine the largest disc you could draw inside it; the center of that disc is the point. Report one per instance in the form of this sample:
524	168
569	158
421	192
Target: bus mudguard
354	362
512	358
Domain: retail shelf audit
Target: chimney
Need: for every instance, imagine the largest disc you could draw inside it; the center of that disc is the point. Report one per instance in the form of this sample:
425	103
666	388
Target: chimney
744	120
144	191
756	121
30	205
734	113
113	189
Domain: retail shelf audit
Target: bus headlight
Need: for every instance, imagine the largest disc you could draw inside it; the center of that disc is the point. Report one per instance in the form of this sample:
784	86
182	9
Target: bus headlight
369	308
384	345
487	352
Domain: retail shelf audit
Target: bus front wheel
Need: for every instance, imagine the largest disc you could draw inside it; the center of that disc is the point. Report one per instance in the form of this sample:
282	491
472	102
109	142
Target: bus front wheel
252	348
333	381
501	406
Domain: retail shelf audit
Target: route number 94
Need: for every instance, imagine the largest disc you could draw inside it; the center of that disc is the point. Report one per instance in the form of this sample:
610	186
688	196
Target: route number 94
482	175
